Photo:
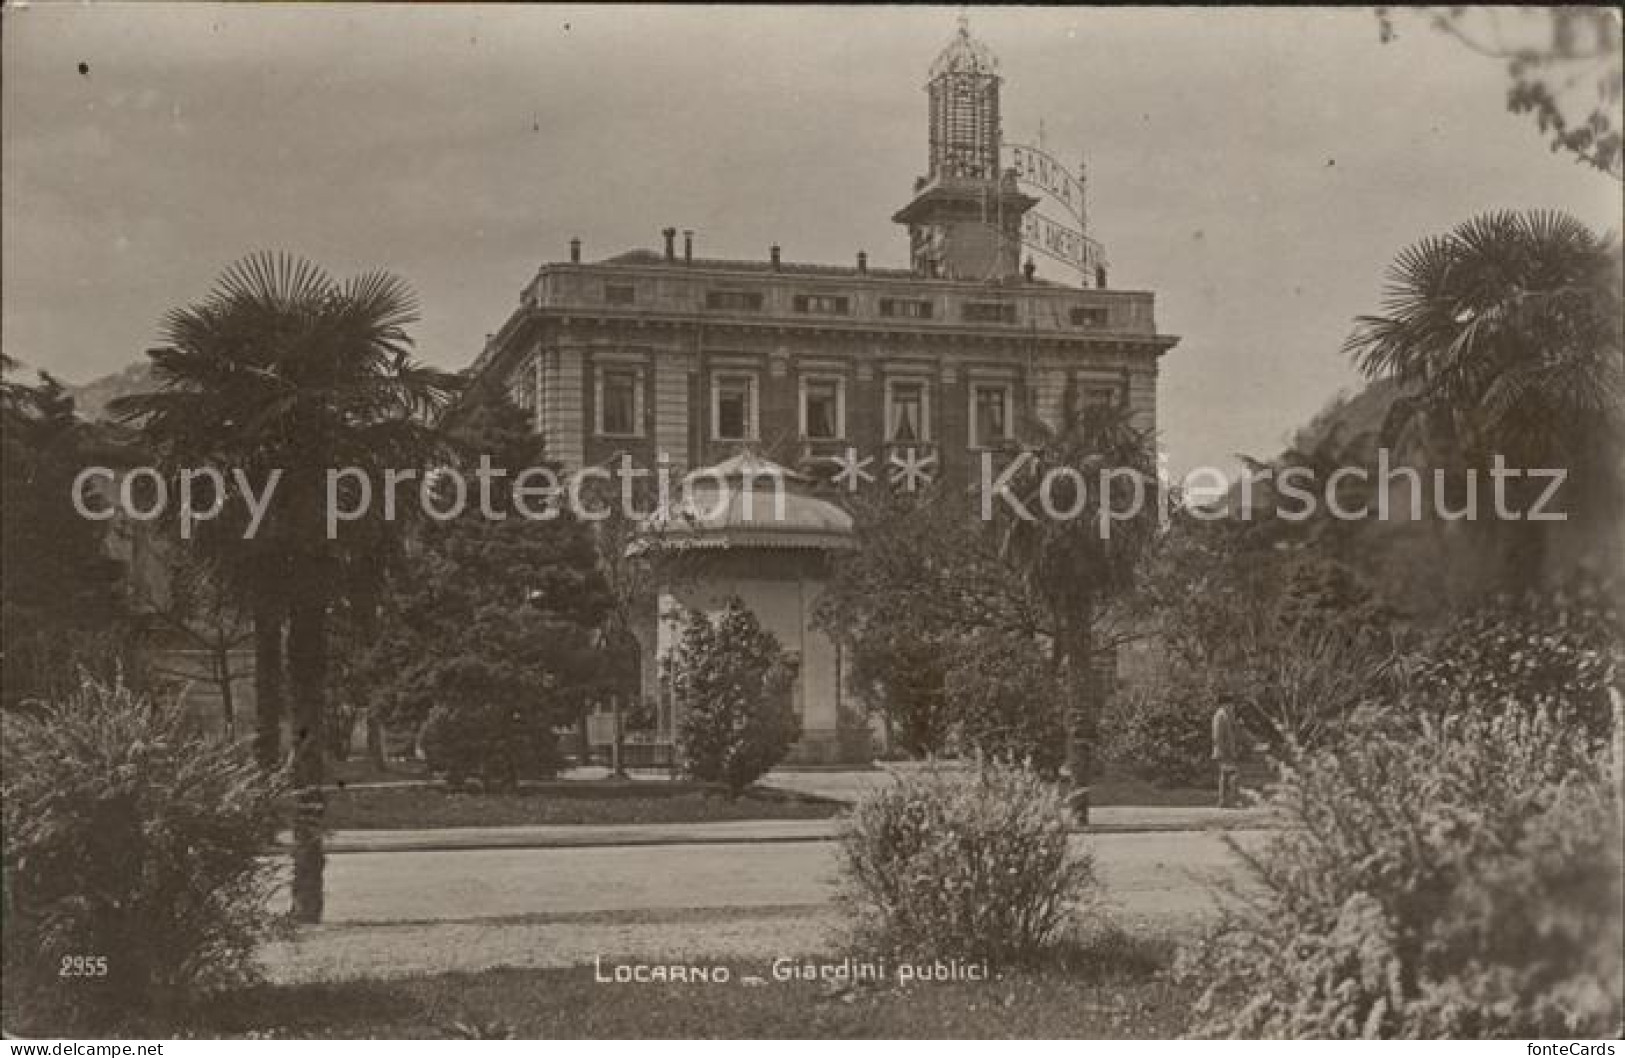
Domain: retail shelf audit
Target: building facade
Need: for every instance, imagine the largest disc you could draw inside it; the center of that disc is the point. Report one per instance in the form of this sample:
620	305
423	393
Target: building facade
663	353
673	359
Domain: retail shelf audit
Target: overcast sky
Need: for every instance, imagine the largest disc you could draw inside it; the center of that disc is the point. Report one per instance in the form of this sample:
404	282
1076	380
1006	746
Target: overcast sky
1256	169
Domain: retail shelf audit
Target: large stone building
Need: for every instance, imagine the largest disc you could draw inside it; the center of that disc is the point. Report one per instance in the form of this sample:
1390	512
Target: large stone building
663	351
663	354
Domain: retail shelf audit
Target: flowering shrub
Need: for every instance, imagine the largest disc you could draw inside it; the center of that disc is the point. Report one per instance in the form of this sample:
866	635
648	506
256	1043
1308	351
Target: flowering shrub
978	865
1459	877
134	858
730	685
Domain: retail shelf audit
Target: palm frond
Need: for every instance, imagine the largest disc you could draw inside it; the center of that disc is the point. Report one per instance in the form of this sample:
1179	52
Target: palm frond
1504	332
275	279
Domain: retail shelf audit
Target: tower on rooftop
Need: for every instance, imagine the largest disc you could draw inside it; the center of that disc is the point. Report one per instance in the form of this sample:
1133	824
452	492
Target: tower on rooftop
965	219
963	89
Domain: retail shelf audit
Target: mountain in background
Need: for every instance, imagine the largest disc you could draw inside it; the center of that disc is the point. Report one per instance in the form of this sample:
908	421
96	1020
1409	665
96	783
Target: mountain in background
1351	418
90	400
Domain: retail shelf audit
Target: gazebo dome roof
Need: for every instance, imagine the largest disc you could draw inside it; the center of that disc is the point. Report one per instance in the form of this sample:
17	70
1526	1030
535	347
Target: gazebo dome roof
747	502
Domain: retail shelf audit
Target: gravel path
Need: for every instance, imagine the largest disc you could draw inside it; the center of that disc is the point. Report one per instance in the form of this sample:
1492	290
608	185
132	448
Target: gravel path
402	913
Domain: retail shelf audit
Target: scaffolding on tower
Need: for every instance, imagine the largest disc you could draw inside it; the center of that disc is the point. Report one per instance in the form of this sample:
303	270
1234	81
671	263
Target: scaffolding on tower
964	110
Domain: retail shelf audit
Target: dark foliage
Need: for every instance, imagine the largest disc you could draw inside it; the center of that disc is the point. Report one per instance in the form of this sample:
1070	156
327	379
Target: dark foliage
1007	704
1505	337
61	595
1558	650
730	687
490	638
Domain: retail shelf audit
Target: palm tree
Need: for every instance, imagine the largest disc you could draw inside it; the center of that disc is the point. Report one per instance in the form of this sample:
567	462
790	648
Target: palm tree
1505	337
1095	462
284	373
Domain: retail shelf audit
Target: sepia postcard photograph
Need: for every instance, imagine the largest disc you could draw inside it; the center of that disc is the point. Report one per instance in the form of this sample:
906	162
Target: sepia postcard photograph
605	522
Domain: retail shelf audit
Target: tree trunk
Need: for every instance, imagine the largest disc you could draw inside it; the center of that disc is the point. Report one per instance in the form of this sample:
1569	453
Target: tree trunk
228	702
268	687
307	677
340	720
616	749
375	740
1083	715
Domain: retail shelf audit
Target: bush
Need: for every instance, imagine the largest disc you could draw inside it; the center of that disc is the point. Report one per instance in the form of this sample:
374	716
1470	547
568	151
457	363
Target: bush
902	670
492	743
1006	703
1559	651
1295	683
1162	732
1451	878
134	856
730	686
979	866
1300	681
854	736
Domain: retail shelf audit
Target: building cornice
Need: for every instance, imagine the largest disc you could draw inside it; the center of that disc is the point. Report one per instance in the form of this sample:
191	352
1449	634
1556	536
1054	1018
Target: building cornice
867	331
894	281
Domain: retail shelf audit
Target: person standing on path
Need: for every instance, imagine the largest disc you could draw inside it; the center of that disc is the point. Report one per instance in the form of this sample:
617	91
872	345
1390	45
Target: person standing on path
1224	752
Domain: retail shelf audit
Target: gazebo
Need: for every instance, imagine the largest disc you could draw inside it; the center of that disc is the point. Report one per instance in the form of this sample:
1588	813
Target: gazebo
748	528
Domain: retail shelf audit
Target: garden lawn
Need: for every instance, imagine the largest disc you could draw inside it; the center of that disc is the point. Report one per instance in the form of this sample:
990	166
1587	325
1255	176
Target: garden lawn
428	806
1135	998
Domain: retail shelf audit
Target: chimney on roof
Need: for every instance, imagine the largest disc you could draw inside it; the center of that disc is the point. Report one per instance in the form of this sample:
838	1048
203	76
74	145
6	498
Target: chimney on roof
575	251
863	263
774	252
688	247
671	243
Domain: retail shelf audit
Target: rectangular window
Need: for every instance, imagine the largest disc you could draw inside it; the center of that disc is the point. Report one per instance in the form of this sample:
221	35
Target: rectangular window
823	409
618	403
990	415
522	387
733	408
734	300
1100	397
907	412
538	394
822	305
905	308
990	312
620	294
1088	317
